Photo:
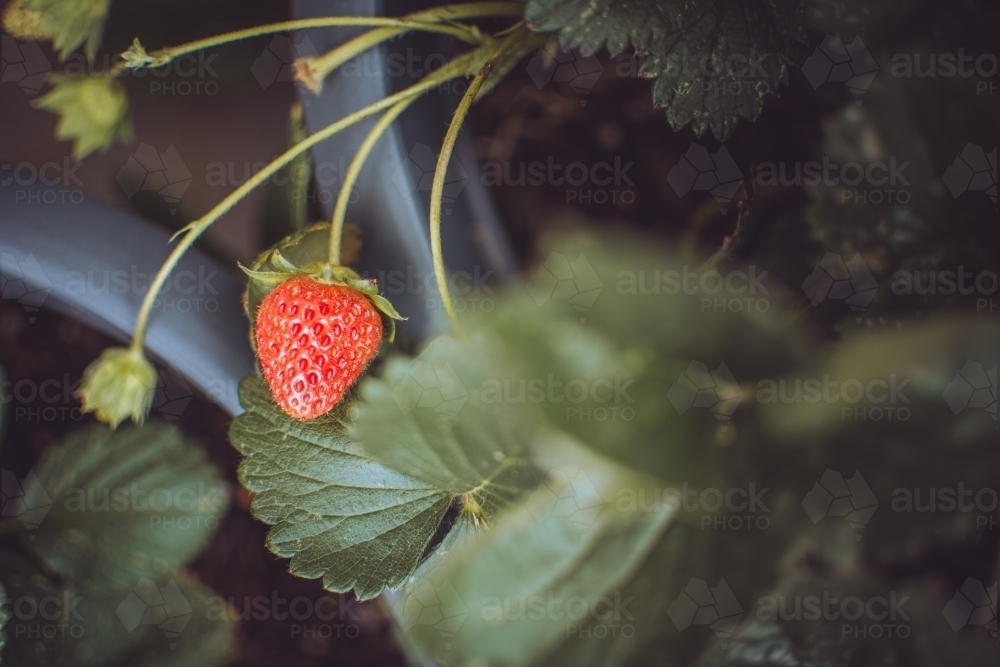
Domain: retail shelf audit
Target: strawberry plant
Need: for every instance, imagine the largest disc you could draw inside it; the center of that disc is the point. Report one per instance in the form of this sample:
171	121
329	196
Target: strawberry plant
613	464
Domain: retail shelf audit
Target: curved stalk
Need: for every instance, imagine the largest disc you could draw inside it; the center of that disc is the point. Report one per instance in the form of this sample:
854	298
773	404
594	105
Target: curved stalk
354	171
460	65
321	66
440	171
442	20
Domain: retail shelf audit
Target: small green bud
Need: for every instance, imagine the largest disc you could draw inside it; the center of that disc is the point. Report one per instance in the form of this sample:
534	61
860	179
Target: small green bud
119	384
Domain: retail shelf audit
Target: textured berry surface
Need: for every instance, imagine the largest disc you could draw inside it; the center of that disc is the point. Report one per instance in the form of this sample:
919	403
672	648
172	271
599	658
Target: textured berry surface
314	340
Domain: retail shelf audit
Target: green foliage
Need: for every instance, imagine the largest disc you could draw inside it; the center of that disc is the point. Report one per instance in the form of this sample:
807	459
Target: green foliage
92	110
114	499
454	423
69	23
636	344
536	554
338	512
685	47
447	437
898	227
123	511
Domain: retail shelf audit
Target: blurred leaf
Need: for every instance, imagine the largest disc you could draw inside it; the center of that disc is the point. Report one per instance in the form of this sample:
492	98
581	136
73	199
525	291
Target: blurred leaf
207	637
167	622
804	623
650	376
336	514
688	48
427	416
69	23
92	110
134	502
913	227
419	602
537	556
906	414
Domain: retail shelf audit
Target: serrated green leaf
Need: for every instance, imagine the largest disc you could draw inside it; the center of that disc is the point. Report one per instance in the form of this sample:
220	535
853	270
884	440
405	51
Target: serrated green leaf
92	110
427	416
70	23
689	47
336	514
122	504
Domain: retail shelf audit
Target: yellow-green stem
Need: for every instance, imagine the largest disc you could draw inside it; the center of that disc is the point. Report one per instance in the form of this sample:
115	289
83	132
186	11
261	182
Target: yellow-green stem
163	56
354	170
458	66
323	65
440	171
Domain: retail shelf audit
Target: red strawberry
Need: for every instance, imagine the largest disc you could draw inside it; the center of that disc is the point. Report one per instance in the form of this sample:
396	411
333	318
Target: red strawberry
314	340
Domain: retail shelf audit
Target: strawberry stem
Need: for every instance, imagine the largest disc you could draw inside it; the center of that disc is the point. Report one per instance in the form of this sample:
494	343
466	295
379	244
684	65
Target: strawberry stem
508	45
354	171
458	66
438	20
319	67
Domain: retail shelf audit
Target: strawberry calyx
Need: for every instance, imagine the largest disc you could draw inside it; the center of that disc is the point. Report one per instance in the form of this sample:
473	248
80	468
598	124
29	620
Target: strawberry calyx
281	270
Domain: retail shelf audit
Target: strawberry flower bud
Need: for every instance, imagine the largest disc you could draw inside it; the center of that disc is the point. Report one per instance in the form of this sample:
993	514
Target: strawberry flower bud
119	384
